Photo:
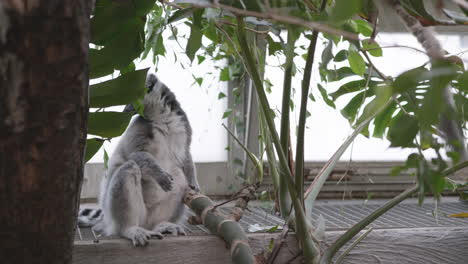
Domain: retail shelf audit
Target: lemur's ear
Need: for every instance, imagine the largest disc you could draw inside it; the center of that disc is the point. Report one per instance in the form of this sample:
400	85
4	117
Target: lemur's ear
151	81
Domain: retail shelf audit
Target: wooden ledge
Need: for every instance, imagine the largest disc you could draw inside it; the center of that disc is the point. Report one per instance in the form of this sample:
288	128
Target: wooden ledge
399	246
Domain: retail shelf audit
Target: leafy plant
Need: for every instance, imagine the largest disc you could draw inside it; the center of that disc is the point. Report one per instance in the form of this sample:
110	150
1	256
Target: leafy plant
420	109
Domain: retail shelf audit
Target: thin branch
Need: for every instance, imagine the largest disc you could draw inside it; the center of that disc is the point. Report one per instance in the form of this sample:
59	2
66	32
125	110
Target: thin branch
353	245
456	168
278	244
383	76
225	22
398	46
230	40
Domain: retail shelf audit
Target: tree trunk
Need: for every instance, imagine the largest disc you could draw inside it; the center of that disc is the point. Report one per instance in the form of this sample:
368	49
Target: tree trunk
43	116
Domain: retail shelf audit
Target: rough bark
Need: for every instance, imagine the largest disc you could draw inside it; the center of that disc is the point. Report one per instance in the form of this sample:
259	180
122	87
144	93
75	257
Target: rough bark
43	115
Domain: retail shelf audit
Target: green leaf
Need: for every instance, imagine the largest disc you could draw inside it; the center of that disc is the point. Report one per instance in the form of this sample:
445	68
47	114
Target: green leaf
403	130
311	97
180	14
339	74
461	102
324	94
108	124
417	8
372	47
92	146
356	62
463	81
342	55
268	85
409	80
351	109
221	95
130	68
350	87
382	120
327	54
200	59
122	90
106	159
127	42
344	10
198	80
432	104
382	95
227	113
273	46
224	75
195	40
158	47
364	27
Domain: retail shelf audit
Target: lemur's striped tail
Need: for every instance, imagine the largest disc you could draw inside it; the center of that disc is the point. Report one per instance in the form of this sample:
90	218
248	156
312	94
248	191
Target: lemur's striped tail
89	217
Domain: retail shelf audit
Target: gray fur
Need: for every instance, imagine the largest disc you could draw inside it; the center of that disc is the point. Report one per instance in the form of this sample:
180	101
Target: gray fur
149	171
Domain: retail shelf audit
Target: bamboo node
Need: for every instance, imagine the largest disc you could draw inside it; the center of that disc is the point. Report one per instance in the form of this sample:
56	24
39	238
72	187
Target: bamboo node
218	227
205	211
236	243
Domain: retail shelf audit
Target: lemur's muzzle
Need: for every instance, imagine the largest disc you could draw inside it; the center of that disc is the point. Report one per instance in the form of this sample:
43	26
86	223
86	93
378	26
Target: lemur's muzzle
129	108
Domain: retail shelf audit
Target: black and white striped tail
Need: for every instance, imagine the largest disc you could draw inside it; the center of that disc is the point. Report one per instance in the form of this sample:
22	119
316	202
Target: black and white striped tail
89	217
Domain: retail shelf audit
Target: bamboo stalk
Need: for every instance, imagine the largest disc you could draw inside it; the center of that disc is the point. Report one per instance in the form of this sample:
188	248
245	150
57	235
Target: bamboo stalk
299	174
284	199
221	225
310	249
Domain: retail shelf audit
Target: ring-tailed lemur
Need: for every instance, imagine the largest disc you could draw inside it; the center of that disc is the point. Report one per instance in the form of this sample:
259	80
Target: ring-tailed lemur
148	173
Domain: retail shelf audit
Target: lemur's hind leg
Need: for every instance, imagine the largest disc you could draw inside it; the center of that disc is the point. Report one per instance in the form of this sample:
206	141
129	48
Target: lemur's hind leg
127	209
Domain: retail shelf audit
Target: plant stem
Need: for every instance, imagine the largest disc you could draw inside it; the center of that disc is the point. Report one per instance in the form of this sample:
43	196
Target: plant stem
353	245
455	168
310	249
299	174
284	199
342	240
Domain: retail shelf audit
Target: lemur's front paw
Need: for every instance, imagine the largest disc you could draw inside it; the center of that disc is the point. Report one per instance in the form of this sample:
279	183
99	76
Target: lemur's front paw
165	181
140	236
170	228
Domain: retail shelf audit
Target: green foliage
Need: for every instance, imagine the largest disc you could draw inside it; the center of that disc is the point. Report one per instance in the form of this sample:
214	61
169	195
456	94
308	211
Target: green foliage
404	109
122	90
118	35
92	146
108	124
344	10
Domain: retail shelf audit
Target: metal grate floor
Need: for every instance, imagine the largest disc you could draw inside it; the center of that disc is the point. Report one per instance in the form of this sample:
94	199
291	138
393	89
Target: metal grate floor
341	215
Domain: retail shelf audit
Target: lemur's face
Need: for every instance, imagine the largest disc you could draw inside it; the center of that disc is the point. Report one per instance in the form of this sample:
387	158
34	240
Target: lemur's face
158	99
